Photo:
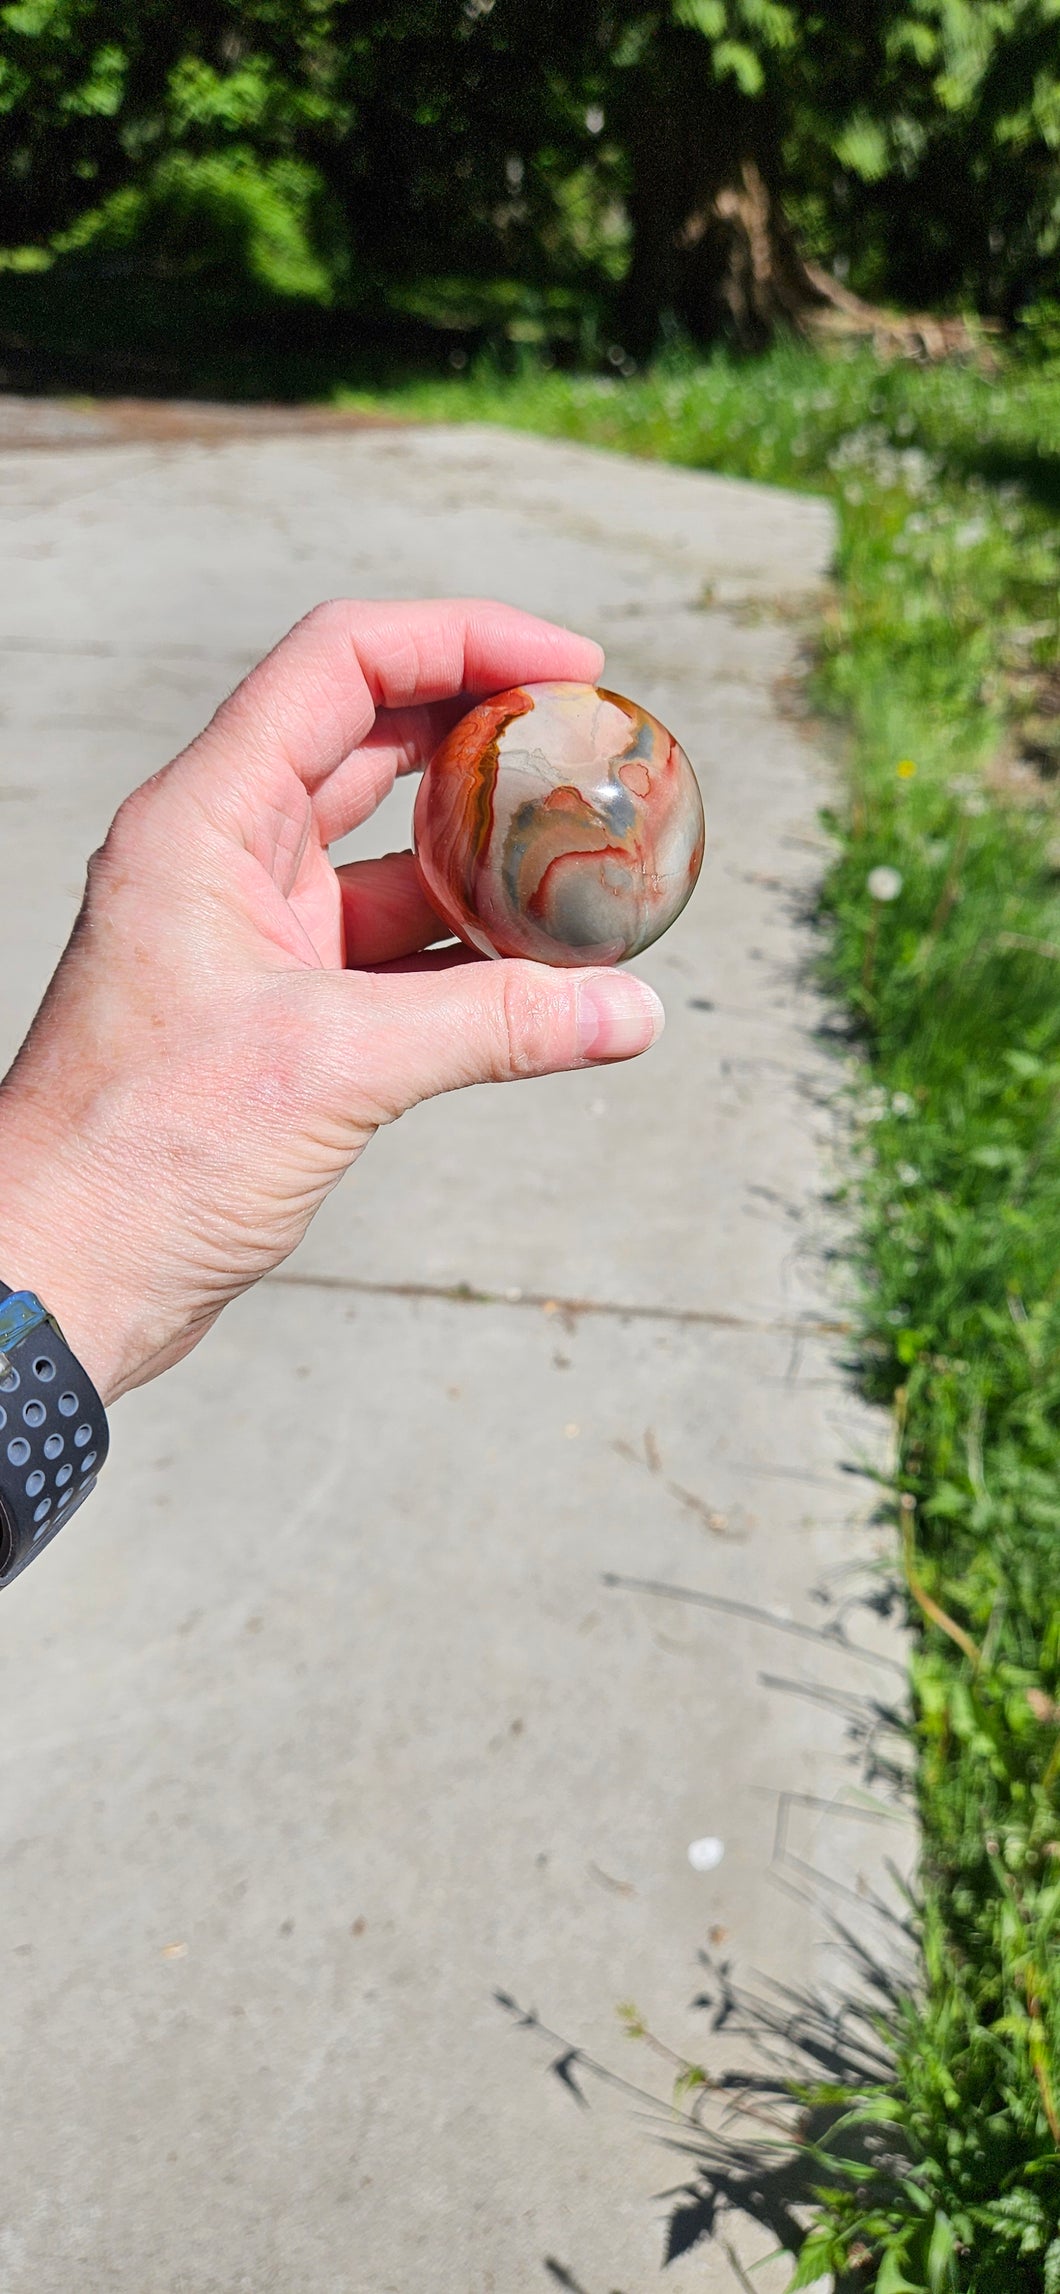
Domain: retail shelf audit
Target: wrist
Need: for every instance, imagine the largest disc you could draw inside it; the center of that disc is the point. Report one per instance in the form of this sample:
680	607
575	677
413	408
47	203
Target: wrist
61	1236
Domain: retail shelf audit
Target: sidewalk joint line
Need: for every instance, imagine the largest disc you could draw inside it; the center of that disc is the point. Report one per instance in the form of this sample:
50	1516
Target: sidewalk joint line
548	1302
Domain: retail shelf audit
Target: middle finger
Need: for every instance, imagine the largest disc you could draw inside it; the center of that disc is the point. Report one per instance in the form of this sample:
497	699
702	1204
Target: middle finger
385	910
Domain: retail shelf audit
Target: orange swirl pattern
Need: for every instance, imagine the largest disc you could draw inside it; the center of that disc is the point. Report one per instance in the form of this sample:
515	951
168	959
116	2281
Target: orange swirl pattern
560	822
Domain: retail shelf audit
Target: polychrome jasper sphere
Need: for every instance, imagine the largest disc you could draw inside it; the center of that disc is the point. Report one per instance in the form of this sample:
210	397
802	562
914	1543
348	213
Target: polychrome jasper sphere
559	822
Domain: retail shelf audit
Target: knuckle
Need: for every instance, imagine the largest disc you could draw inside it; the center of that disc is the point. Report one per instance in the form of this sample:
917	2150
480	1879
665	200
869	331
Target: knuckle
139	842
113	860
331	615
529	1021
124	843
131	820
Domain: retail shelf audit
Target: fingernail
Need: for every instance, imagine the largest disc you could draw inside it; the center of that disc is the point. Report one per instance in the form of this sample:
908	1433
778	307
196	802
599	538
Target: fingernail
617	1016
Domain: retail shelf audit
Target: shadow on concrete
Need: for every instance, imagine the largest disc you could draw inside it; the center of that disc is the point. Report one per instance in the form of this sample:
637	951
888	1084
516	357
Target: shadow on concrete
754	2150
758	2139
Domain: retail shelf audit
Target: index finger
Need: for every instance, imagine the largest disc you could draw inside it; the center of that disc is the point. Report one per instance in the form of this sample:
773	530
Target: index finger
314	698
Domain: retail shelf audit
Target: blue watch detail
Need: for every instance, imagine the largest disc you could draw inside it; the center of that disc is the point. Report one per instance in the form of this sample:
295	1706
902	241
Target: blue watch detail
53	1431
19	1314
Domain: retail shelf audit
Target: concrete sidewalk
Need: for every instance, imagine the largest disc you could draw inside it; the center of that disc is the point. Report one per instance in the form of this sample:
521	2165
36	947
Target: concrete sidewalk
325	1722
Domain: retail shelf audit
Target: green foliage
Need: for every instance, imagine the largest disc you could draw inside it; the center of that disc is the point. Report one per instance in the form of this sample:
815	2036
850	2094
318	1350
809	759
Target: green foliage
743	34
917	140
444	140
941	647
93	96
211	217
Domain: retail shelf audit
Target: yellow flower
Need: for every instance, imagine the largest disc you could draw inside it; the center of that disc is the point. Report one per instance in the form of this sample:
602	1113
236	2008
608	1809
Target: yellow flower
905	769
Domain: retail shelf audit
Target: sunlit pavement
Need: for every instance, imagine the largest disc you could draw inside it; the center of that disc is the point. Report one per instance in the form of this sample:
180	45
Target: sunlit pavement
328	1720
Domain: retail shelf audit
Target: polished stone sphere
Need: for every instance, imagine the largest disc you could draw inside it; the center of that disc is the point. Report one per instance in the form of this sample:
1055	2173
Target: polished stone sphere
559	822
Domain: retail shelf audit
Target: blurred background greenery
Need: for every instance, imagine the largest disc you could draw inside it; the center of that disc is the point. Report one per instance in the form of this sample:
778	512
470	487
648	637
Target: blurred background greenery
253	195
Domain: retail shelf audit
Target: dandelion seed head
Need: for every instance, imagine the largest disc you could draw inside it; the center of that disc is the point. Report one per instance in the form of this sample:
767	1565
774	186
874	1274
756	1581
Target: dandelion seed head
884	883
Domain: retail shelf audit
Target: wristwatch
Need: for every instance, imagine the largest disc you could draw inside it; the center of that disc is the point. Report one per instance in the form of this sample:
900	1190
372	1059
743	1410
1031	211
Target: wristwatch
53	1431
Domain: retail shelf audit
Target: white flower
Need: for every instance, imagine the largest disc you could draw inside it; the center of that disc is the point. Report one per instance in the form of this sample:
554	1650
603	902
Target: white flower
884	883
902	1104
907	1174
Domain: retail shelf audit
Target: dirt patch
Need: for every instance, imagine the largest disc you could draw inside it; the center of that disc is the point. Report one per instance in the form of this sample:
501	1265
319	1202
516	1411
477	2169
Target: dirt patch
58	422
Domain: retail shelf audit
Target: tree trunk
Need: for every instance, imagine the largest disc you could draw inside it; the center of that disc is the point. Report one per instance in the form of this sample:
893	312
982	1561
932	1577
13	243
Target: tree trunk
762	280
713	251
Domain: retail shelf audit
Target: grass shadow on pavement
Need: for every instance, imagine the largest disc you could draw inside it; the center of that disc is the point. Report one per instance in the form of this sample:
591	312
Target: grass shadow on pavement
754	2144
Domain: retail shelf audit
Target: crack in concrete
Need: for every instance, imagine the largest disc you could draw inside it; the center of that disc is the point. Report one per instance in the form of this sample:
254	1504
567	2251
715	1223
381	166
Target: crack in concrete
548	1302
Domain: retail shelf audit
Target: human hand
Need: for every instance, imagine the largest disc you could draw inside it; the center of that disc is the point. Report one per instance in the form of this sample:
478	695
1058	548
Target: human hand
234	1017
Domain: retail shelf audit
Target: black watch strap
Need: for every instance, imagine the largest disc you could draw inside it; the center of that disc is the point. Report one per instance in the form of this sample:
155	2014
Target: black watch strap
53	1431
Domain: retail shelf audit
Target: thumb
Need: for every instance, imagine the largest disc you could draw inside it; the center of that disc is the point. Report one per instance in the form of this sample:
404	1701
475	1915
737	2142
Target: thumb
495	1022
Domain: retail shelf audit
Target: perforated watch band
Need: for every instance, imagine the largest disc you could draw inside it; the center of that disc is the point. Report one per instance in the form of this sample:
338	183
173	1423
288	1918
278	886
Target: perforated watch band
53	1431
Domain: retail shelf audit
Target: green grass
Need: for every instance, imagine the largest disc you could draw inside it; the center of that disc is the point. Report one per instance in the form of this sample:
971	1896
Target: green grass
942	656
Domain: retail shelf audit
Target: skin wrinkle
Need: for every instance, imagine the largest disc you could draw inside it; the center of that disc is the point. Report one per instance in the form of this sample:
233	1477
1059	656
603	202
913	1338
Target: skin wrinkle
531	1016
352	793
400	677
